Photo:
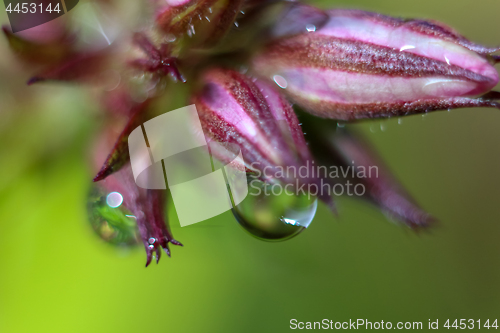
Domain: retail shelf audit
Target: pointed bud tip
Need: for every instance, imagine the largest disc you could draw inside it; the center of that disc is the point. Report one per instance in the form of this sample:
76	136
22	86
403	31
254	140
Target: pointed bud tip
175	242
158	255
148	260
423	223
102	174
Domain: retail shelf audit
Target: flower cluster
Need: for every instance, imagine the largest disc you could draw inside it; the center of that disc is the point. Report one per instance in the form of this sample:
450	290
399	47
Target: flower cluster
243	62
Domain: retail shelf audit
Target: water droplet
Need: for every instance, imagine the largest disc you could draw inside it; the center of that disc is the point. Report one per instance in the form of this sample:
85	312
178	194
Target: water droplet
114	199
110	219
341	124
280	81
373	128
383	127
151	240
274	216
170	38
236	24
310	27
191	32
400	121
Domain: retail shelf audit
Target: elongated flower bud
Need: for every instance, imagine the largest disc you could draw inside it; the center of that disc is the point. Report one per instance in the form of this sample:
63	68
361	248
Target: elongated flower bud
348	150
366	65
236	109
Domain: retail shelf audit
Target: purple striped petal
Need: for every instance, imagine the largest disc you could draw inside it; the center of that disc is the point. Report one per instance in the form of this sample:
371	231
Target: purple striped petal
365	65
236	109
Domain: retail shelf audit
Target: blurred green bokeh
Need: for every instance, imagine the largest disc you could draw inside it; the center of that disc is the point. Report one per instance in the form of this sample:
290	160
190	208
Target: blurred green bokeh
57	276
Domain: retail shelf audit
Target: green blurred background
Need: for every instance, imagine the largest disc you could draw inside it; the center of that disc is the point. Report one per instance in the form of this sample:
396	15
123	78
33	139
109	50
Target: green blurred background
57	276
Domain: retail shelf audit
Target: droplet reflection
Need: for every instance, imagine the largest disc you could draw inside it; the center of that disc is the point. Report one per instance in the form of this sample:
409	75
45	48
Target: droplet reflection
280	81
110	219
310	27
273	217
114	199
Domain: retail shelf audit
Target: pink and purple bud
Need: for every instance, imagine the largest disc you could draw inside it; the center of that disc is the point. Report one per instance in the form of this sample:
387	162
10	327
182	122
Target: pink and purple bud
236	109
366	65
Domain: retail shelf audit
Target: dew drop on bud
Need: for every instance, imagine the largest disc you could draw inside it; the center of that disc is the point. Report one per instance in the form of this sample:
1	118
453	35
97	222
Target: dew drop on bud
274	217
280	81
170	38
310	27
110	219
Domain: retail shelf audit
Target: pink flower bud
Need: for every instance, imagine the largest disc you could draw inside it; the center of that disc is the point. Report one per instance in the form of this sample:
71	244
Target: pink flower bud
236	109
366	65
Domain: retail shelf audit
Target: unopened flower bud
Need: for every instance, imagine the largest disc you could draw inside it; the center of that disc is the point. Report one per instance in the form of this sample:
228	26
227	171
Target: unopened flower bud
370	177
236	109
366	65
